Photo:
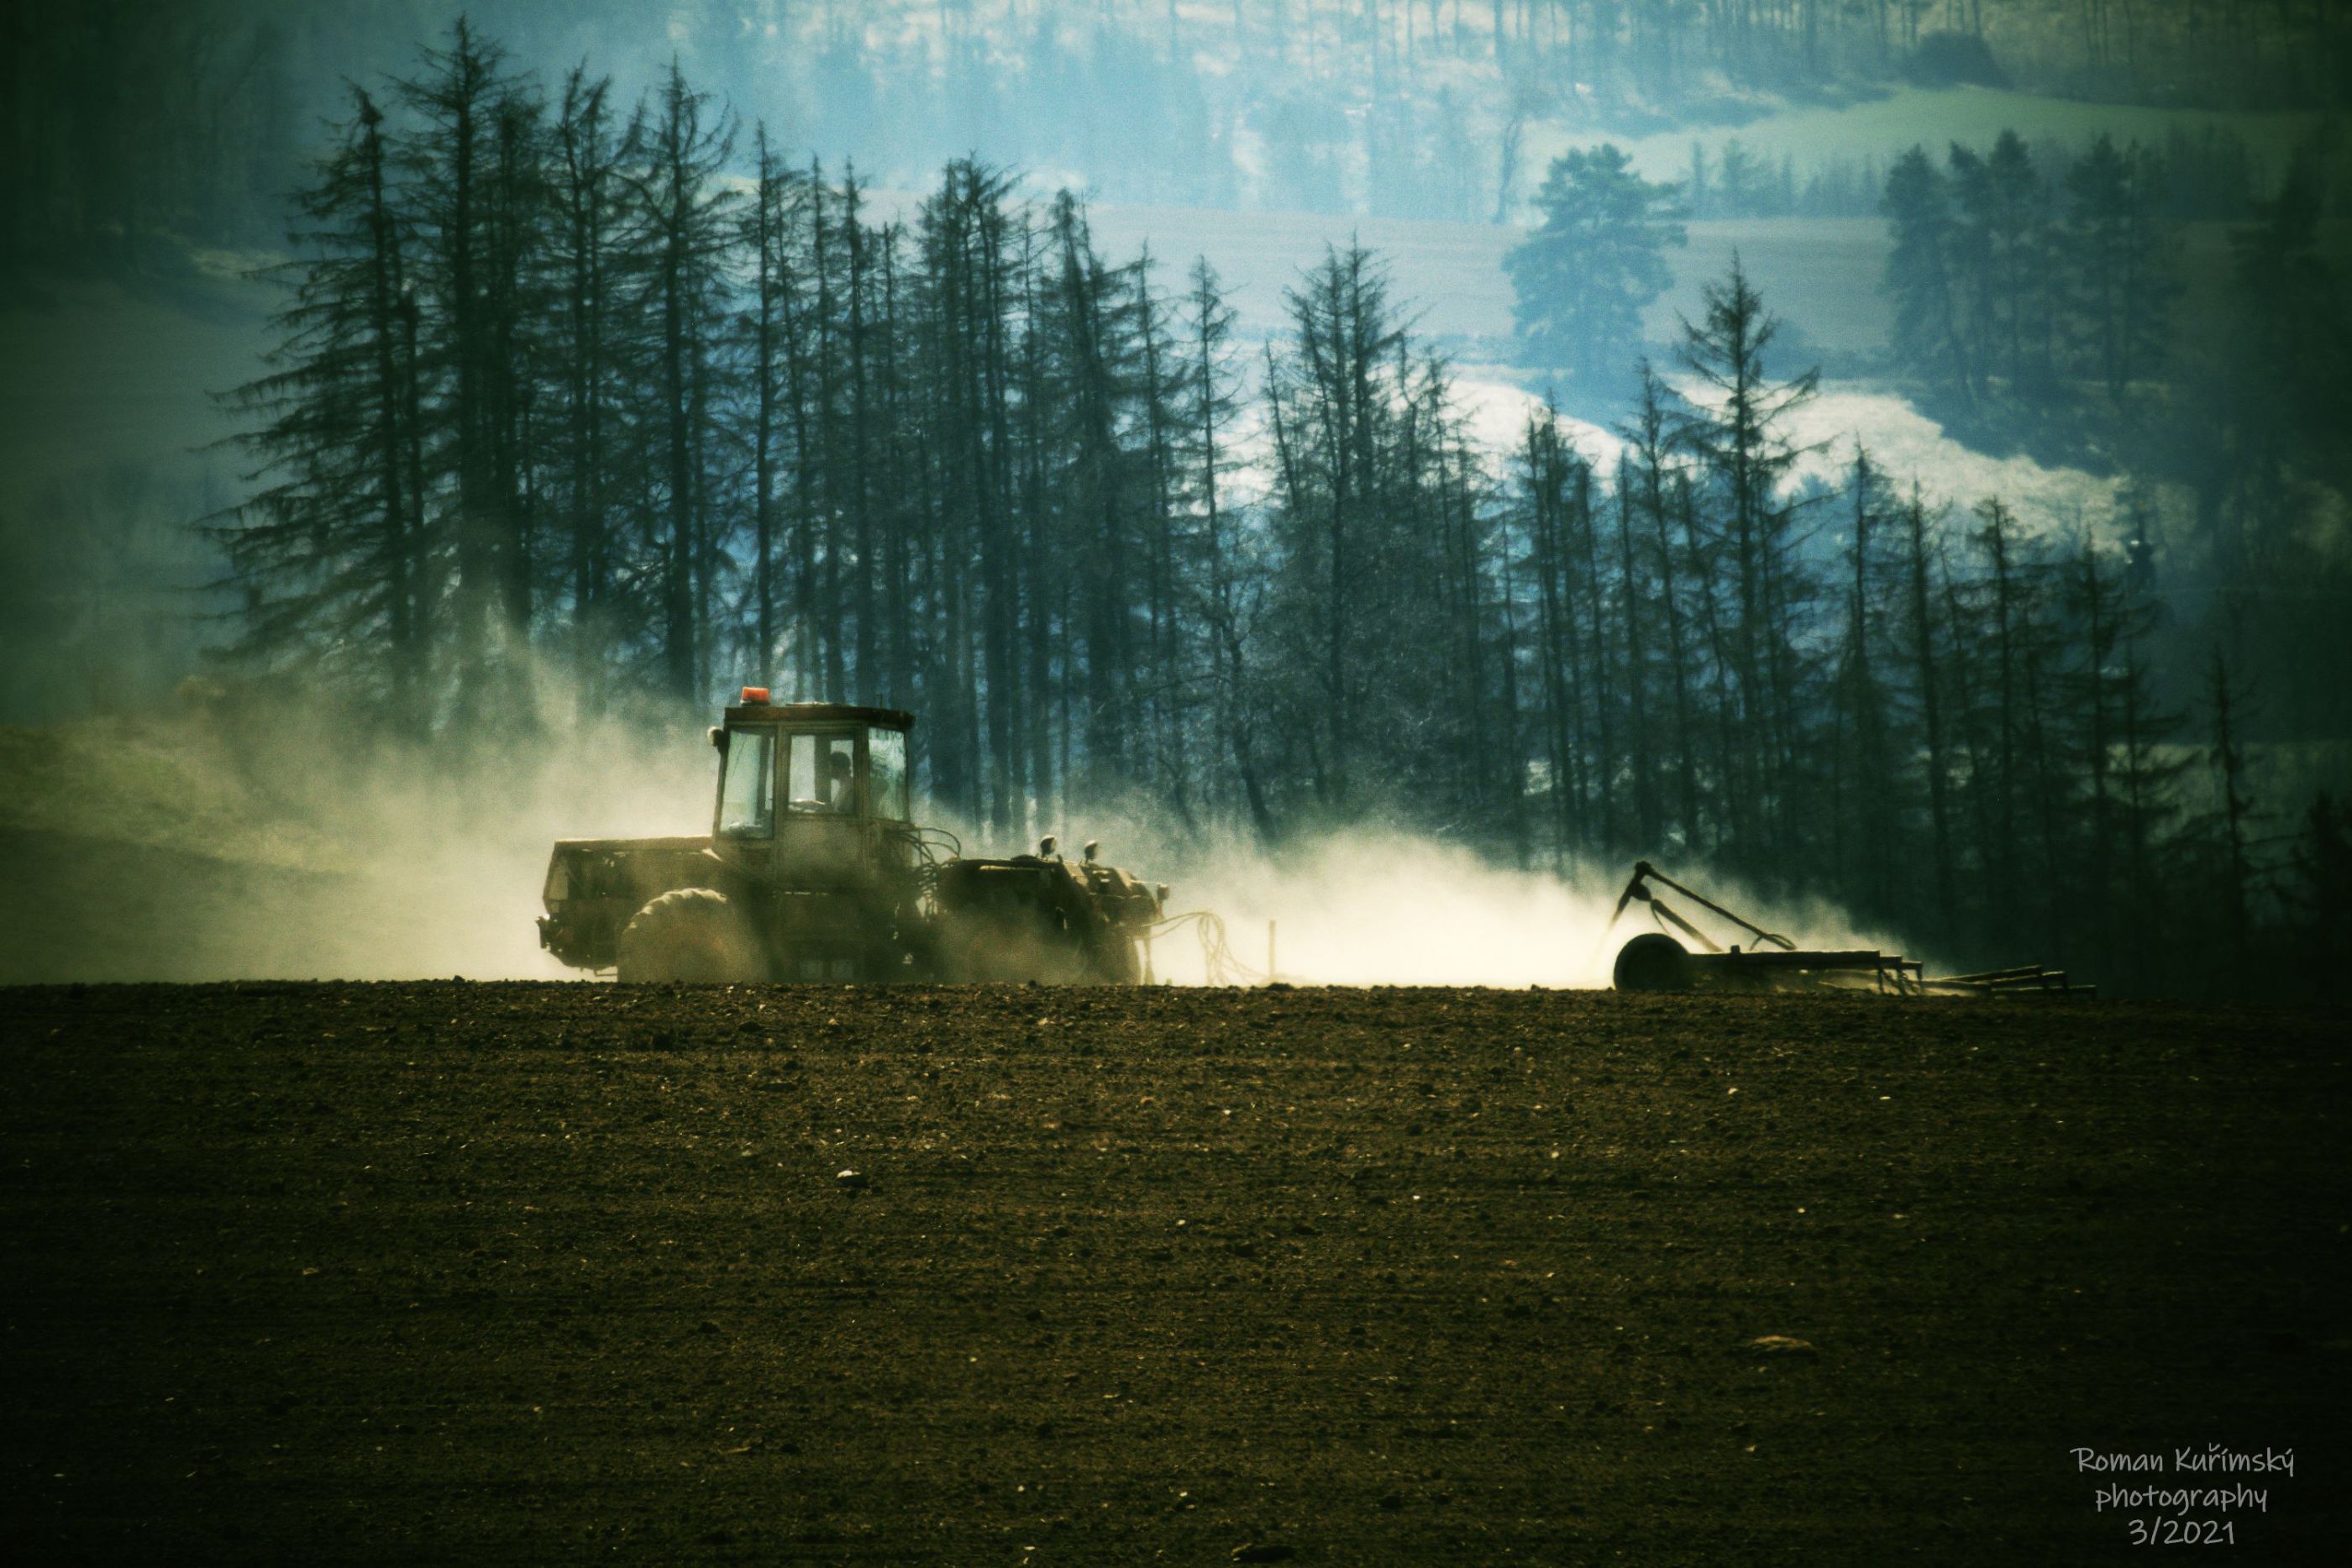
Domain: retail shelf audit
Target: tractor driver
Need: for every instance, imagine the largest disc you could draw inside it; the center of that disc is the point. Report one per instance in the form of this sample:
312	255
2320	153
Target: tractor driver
841	785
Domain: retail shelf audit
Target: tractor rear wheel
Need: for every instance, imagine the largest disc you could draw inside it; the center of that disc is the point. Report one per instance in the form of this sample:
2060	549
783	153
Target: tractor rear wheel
1653	961
1112	961
691	933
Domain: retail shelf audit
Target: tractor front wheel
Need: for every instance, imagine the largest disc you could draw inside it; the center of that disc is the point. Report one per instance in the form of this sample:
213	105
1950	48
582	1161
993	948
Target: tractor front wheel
690	934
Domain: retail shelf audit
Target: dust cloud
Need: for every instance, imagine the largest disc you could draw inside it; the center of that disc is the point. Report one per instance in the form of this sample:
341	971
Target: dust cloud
1375	907
254	834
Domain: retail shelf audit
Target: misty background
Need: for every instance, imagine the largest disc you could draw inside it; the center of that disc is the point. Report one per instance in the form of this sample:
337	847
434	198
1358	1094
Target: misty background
2163	433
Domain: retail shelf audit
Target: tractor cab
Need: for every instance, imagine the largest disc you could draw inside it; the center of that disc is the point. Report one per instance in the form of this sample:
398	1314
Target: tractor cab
809	792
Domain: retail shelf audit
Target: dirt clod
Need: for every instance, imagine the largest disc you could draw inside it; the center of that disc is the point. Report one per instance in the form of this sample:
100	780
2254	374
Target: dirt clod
1782	1345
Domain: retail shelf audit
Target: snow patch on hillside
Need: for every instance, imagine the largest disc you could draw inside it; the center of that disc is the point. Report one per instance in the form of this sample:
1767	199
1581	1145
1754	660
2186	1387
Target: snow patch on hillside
2062	502
1910	447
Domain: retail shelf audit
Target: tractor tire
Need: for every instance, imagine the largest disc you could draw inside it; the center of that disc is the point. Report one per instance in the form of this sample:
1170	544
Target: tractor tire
690	934
1653	961
1113	961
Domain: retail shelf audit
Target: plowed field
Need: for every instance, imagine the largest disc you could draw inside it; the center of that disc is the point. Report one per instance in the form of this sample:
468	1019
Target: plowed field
423	1273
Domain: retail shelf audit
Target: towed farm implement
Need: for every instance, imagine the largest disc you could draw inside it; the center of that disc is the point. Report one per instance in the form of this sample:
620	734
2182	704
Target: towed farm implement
1658	961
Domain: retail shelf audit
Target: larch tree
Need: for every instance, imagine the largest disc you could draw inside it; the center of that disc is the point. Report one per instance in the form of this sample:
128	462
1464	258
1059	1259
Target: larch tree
333	553
1737	431
676	151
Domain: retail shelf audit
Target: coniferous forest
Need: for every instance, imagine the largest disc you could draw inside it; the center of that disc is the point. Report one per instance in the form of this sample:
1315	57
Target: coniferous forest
625	392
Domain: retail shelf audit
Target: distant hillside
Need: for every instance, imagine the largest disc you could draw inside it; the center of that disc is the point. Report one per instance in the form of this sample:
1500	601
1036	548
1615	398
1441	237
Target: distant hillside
137	125
247	834
104	421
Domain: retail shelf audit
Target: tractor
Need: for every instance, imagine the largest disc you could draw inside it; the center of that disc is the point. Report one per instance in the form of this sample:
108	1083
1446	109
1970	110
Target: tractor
814	871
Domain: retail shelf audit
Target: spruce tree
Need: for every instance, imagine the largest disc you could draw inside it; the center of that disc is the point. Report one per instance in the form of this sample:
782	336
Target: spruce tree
1928	339
2117	255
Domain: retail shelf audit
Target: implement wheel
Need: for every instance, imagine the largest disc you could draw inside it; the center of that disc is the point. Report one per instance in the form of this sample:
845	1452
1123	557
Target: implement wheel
1653	961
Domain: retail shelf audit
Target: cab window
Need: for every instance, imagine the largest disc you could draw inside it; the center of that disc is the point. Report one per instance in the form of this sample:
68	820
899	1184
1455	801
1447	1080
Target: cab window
822	780
885	773
747	798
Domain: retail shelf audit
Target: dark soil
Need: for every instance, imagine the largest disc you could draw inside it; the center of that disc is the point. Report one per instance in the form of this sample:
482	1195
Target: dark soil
423	1273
